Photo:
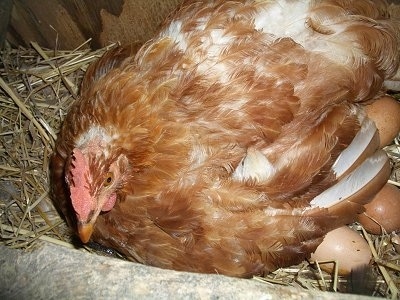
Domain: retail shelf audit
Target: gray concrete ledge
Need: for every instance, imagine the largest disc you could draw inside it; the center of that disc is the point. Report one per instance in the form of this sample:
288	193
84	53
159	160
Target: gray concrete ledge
54	272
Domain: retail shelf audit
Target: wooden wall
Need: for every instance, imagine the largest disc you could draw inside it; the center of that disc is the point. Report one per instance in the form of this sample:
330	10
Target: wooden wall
69	23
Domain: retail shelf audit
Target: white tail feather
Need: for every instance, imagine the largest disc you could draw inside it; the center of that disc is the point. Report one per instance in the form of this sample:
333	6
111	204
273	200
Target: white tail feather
364	144
352	183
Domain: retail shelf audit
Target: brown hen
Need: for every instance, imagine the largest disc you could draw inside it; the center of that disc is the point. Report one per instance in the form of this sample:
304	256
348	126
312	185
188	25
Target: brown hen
234	140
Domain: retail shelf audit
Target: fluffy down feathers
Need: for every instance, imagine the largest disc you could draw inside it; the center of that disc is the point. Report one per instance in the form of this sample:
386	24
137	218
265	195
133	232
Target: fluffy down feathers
220	146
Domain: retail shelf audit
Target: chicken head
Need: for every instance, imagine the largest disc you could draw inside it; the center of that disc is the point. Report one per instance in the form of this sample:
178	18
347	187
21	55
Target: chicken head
93	177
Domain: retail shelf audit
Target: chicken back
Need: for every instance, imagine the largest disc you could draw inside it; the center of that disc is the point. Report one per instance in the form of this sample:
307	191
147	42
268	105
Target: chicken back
233	141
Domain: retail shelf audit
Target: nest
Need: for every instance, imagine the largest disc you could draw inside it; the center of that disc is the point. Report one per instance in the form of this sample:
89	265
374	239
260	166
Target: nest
37	88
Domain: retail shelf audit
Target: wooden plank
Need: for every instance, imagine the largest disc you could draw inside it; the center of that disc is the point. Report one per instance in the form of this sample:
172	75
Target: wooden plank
5	12
66	24
45	22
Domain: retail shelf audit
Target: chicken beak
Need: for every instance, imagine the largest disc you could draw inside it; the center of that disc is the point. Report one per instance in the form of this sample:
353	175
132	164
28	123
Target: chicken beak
85	231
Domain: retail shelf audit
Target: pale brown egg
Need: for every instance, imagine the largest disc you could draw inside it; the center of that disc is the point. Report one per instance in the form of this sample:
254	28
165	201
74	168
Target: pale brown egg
347	247
385	112
384	209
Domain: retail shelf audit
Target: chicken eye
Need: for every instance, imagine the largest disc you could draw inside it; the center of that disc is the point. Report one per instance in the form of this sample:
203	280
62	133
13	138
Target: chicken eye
108	179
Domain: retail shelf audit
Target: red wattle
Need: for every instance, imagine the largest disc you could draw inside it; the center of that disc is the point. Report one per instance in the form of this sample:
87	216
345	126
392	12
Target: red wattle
110	202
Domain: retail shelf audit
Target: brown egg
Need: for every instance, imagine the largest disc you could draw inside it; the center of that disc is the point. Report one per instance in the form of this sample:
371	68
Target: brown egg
347	247
384	208
385	112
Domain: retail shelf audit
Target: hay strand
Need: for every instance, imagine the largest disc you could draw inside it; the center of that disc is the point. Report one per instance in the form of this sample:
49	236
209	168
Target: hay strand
389	281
